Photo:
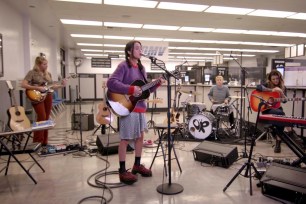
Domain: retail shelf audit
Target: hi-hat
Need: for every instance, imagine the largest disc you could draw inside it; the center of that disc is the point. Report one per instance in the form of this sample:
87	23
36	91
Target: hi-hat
189	92
237	97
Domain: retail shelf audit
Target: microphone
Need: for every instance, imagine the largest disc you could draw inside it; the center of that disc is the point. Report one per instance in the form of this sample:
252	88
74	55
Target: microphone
148	56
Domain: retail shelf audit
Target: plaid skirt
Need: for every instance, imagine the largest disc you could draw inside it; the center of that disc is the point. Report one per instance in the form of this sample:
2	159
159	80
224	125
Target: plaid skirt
132	125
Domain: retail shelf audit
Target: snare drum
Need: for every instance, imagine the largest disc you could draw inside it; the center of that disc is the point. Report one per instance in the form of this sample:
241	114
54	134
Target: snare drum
221	109
200	126
194	108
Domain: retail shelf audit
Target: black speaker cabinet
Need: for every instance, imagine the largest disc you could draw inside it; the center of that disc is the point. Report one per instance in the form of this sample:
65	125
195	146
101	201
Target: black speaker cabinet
108	144
215	154
285	182
87	121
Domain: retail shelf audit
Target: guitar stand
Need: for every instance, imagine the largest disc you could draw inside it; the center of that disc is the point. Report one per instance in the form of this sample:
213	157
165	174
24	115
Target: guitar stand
248	164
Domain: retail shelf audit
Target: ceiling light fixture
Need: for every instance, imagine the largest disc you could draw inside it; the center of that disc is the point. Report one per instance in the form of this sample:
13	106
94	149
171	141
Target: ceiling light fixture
300	16
196	29
271	13
86	36
81	22
90	44
118	37
160	27
123	25
228	10
132	3
84	1
182	6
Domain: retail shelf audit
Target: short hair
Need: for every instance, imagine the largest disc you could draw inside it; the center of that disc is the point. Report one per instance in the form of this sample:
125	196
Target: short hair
219	76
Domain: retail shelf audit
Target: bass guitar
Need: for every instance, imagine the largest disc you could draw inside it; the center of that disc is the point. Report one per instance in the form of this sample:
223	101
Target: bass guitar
272	100
104	115
36	96
17	118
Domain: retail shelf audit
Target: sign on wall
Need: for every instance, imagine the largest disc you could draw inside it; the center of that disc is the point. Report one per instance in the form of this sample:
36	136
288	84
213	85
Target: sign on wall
101	62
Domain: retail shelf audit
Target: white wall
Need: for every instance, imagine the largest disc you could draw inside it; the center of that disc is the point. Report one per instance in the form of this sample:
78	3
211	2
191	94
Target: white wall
11	27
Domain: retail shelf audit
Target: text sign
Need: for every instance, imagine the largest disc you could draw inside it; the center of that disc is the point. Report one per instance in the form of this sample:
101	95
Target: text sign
101	62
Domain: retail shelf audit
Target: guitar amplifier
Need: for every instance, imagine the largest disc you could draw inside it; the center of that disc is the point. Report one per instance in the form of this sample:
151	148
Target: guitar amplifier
87	121
215	154
285	182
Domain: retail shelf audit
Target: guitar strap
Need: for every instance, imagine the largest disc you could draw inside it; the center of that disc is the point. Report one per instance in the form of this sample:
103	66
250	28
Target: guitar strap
144	78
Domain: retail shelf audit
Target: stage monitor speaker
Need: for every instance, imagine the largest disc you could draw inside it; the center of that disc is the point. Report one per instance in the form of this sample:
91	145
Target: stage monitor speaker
108	144
215	154
87	121
285	182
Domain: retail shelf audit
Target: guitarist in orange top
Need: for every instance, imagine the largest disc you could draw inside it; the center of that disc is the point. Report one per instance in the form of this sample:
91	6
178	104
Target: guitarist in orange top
275	83
36	80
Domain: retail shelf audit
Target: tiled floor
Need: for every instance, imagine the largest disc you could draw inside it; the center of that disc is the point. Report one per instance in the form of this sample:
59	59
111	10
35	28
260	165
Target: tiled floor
65	179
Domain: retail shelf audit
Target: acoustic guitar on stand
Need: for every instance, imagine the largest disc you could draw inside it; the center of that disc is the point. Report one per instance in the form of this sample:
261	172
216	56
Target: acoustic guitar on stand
36	96
17	118
272	100
104	115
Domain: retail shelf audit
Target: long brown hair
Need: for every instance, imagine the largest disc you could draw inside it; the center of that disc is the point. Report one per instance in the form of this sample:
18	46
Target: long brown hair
281	80
129	47
38	61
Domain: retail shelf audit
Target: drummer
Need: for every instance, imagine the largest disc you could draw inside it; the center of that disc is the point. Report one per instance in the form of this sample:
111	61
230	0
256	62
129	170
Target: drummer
219	95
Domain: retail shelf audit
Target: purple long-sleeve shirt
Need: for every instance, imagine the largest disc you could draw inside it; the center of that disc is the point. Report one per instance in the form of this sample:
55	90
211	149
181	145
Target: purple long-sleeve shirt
123	76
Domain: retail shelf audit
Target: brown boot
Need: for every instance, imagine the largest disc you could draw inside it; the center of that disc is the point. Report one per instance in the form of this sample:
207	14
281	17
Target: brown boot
277	148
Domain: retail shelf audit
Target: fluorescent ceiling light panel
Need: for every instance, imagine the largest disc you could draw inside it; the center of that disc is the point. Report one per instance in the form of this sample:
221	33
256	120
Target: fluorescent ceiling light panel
271	13
95	55
196	29
84	1
233	31
148	39
176	40
86	36
160	27
81	22
289	34
228	10
182	6
90	50
114	51
90	44
132	3
123	25
260	32
113	45
301	16
118	37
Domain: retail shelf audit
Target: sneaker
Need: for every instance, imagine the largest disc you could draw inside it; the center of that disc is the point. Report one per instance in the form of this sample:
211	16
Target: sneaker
127	177
142	170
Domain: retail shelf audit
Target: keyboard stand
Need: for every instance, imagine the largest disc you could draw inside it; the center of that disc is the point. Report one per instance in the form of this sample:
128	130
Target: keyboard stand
12	153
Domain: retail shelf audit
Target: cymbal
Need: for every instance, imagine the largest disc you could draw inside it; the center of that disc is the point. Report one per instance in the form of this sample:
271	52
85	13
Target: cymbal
189	92
237	97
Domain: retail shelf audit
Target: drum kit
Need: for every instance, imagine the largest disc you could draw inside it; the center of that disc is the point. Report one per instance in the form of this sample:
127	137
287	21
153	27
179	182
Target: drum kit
199	122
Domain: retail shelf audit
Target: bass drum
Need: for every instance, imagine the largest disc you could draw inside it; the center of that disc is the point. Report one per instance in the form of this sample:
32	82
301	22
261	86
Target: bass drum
200	126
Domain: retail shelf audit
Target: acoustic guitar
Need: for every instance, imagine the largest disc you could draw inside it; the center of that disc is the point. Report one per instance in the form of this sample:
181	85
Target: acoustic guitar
124	104
36	96
17	118
272	100
104	115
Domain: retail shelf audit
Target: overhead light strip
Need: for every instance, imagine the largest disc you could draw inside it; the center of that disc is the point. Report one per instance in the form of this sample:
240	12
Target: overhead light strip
182	6
132	3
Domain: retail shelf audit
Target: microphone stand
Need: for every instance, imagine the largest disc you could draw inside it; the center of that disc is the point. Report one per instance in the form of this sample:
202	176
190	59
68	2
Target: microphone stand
243	72
168	188
249	165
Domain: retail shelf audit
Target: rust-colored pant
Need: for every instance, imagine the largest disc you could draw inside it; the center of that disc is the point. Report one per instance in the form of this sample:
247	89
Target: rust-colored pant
43	110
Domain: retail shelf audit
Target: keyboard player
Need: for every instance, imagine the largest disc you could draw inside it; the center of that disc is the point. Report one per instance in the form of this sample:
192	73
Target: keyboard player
275	83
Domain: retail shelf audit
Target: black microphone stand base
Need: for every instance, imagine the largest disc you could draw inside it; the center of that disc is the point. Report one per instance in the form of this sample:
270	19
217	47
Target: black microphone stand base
169	189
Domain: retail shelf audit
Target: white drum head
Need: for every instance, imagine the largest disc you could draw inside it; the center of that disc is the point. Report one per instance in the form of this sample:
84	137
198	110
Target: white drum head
200	126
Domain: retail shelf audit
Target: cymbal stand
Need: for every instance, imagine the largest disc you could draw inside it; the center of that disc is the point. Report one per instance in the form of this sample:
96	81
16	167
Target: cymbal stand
248	164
